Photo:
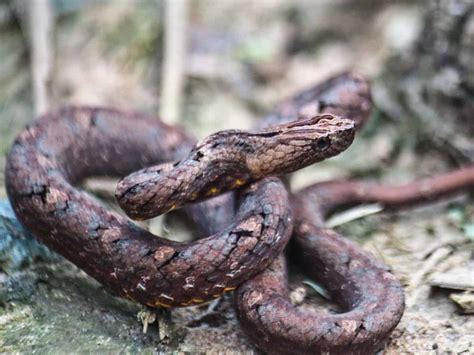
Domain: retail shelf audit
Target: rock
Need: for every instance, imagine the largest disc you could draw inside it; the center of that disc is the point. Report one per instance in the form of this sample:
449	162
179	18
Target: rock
464	300
18	248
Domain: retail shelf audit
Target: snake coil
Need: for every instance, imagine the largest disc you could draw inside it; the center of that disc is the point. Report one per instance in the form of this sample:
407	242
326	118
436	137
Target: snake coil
60	149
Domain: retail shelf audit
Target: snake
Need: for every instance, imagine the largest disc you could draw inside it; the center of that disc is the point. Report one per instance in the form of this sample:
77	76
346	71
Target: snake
370	296
163	168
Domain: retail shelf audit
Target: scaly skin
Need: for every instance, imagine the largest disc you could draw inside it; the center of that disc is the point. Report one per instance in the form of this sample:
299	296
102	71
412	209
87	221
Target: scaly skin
359	283
265	312
370	296
64	147
227	160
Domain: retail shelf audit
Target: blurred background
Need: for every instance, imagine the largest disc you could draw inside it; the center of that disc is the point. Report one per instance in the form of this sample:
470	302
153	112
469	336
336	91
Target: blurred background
212	65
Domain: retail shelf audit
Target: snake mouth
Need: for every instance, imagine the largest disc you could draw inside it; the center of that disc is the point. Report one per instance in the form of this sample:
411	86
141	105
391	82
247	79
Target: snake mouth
342	141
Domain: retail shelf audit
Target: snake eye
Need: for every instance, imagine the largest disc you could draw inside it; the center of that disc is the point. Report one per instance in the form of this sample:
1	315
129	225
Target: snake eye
321	144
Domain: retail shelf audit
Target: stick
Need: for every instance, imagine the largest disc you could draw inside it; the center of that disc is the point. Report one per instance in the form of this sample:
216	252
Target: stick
175	45
41	25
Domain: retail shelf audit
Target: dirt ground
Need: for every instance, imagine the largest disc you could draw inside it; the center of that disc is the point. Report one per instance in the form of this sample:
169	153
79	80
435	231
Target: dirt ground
244	56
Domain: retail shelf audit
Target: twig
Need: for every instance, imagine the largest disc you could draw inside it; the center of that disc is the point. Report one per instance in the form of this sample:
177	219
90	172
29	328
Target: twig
353	214
414	288
41	25
459	278
175	45
147	316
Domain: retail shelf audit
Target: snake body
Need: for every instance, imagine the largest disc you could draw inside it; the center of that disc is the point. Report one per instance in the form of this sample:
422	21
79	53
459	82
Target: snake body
370	296
61	148
229	159
64	147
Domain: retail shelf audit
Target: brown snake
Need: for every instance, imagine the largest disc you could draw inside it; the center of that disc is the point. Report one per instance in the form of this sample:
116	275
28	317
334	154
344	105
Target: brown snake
370	295
63	147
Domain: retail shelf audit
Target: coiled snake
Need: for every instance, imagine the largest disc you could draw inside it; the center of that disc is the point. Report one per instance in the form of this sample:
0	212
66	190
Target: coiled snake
61	148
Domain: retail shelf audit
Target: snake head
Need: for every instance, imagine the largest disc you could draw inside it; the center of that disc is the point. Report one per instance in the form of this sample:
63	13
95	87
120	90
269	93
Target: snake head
229	159
297	144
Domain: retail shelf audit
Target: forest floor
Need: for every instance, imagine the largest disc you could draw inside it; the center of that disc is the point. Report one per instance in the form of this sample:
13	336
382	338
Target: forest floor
240	64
